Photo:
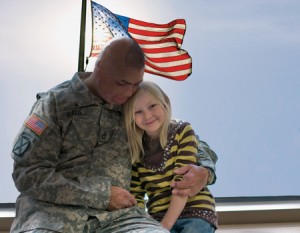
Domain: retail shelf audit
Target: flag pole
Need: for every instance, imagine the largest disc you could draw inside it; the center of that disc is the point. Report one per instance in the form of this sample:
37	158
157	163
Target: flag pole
82	37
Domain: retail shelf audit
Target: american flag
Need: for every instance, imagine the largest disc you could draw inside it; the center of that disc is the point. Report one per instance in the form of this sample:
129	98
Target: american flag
161	43
36	124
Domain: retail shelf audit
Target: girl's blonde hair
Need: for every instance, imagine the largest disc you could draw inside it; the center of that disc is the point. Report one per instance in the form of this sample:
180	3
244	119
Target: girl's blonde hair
134	133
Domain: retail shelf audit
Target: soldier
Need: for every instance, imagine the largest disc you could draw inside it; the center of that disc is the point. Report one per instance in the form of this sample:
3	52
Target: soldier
71	161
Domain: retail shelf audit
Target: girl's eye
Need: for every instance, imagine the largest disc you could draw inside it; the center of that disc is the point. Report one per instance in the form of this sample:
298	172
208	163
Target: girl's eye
153	105
137	112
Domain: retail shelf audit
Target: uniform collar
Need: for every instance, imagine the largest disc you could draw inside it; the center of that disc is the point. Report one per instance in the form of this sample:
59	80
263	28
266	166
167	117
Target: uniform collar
80	87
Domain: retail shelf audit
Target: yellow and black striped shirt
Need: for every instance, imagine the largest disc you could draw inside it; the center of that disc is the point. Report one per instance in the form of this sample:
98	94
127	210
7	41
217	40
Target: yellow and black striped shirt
153	175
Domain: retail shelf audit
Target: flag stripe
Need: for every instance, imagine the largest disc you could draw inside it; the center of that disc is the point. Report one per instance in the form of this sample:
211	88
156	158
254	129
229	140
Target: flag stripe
168	55
157	34
180	23
173	63
154	45
169	68
159	50
179	76
169	64
165	44
141	39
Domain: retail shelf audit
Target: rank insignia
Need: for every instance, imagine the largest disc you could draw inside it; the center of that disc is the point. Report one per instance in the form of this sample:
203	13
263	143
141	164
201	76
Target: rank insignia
36	124
21	146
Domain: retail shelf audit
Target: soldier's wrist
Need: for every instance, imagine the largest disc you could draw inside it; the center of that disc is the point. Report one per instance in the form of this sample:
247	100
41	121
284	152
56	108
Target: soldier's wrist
210	178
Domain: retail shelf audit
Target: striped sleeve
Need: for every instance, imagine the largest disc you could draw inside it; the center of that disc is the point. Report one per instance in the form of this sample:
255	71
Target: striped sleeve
186	147
136	187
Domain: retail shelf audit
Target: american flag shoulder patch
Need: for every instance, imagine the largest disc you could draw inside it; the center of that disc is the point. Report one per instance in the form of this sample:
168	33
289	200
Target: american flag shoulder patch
36	124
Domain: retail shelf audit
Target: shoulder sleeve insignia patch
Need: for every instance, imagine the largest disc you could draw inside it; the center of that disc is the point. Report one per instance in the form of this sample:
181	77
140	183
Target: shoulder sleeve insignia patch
21	146
36	124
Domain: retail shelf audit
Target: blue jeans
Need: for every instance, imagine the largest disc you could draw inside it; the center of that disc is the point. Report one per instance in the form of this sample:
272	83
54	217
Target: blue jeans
192	225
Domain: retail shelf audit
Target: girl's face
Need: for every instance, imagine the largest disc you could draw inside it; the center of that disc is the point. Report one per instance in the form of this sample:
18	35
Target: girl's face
149	114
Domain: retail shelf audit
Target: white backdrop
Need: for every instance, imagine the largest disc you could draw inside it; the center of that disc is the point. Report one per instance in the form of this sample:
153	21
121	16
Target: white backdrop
242	98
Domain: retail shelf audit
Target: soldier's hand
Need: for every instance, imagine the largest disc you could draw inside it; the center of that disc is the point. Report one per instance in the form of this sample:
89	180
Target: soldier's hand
194	179
120	199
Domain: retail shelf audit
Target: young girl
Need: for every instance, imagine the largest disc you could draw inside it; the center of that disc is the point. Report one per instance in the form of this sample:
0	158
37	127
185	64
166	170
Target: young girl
159	145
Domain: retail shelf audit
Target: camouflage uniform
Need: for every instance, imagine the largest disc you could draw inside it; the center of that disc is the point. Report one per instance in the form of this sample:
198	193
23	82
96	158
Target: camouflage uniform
68	153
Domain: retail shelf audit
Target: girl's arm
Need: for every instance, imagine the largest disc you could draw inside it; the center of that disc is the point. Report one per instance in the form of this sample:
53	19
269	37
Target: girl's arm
177	204
187	148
